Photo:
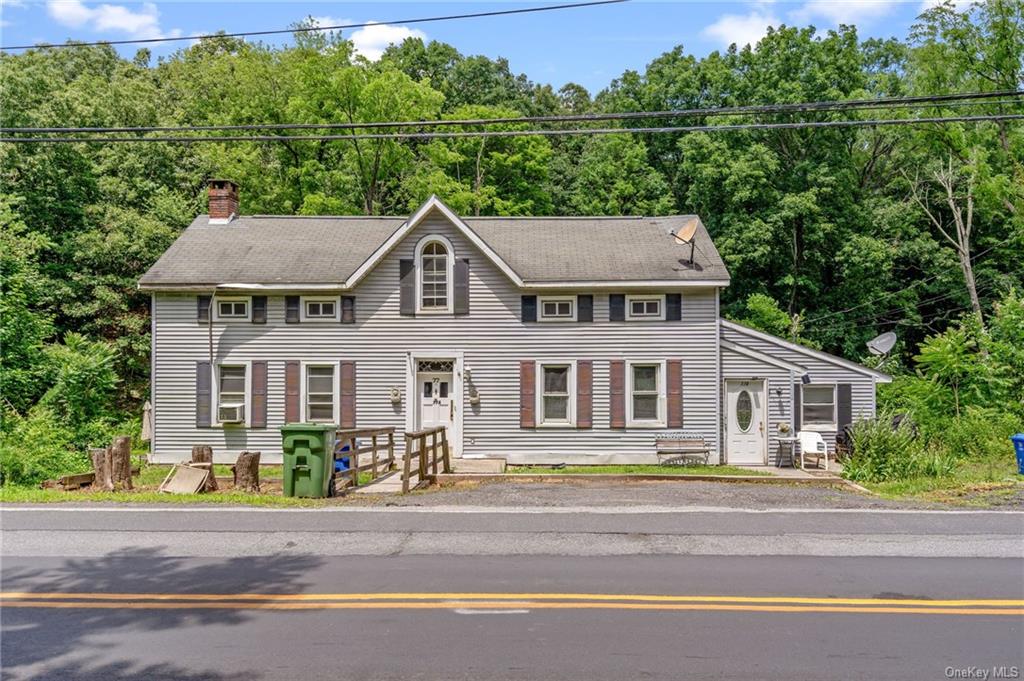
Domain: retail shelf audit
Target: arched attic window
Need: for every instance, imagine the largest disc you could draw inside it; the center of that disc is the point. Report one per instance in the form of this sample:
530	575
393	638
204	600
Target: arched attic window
434	263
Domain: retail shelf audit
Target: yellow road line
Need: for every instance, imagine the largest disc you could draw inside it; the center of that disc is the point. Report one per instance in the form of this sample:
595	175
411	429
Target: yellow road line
543	605
508	596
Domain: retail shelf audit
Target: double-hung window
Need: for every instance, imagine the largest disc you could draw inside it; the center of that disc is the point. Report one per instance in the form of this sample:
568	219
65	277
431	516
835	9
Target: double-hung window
320	391
435	284
643	308
818	406
647	394
233	309
558	309
324	309
557	393
231	392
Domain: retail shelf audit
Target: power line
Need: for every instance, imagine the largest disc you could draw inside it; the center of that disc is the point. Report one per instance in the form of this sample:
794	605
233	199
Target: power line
530	133
875	320
919	282
956	99
335	27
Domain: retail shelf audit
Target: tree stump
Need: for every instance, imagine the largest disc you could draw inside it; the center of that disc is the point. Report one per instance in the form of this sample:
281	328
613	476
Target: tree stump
247	472
204	454
101	469
120	455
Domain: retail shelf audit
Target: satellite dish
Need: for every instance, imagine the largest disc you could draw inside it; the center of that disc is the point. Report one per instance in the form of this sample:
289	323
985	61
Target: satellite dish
684	235
881	345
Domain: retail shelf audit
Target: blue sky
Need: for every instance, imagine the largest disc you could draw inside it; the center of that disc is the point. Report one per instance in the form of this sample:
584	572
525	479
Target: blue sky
588	46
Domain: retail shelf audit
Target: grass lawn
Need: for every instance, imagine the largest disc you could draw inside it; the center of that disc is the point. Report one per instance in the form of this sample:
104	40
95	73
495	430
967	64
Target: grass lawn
149	479
973	483
635	470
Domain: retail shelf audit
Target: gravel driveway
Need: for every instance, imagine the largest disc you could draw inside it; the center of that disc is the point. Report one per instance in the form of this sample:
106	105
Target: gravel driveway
691	493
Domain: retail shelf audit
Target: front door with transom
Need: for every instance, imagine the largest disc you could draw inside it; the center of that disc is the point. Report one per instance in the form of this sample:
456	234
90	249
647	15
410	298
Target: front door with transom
746	436
434	386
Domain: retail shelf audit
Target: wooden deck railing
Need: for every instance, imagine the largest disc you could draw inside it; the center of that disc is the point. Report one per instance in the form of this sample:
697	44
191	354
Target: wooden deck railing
381	450
426	455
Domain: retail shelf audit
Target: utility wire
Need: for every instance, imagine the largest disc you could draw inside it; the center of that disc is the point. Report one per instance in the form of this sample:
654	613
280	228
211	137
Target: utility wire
950	100
529	133
335	27
919	282
873	321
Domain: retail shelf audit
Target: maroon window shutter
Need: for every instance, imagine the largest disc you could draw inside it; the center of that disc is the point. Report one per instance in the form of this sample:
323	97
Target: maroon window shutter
203	395
348	394
584	394
527	394
259	395
674	393
291	392
617	380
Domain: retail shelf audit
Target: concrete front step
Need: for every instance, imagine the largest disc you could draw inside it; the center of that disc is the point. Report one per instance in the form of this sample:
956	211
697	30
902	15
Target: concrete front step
489	465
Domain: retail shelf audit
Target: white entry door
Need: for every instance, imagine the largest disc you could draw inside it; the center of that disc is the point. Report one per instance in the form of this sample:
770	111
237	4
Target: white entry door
436	395
747	436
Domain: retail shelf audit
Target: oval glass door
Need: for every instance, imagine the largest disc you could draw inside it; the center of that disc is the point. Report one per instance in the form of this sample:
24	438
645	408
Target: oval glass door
744	411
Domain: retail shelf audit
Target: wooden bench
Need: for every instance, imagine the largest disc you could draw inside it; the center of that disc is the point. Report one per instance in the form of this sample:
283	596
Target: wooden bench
682	449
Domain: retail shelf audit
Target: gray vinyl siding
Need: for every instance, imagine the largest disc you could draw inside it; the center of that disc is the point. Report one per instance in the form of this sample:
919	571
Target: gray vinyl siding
862	386
492	339
780	406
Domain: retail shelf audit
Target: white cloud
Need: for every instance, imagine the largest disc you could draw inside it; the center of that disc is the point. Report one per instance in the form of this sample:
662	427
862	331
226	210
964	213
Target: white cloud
837	12
144	23
371	41
742	29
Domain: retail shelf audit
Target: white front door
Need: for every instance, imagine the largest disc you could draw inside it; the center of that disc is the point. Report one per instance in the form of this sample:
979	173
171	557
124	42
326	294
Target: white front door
746	436
436	394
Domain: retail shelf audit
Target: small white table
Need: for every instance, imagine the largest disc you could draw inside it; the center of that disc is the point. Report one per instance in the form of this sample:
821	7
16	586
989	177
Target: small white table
786	440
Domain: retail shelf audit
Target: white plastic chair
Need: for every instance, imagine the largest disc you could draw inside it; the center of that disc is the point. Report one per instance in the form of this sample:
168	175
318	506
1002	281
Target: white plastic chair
811	442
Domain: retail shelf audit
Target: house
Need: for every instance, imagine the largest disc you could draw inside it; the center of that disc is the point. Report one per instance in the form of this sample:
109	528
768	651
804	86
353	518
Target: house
548	339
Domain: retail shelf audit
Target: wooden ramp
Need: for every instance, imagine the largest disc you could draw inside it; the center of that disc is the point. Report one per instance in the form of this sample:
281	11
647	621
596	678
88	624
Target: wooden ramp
388	484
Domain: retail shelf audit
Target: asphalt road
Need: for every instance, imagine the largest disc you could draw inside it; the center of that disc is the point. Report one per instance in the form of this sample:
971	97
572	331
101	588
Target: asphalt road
510	593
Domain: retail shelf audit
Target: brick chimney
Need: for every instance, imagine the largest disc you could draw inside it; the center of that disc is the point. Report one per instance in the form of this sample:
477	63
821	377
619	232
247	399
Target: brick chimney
223	200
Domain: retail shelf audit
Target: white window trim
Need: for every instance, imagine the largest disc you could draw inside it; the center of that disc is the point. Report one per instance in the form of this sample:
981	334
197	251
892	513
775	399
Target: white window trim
539	390
662	394
320	299
215	416
450	298
819	427
557	299
217	300
304	379
630	317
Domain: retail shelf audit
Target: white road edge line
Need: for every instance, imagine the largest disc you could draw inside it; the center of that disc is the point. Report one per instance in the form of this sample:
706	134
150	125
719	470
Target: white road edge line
469	611
502	510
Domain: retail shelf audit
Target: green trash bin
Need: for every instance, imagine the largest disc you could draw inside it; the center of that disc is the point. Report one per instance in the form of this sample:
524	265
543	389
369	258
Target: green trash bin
308	458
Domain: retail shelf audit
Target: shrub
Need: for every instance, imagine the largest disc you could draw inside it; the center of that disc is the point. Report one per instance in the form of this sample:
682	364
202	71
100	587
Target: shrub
37	447
82	387
980	434
881	452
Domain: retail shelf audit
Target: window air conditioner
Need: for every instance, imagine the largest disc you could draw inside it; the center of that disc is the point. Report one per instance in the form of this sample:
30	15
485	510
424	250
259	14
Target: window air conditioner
231	413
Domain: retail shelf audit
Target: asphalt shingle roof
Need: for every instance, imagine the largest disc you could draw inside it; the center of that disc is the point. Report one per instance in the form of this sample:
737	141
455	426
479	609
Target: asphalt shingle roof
327	250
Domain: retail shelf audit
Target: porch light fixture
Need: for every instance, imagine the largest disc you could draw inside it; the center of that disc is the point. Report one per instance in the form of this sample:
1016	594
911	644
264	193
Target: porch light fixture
396	396
805	379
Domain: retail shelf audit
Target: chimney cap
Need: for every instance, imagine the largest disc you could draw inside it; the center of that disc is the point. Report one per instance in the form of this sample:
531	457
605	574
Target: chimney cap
222	183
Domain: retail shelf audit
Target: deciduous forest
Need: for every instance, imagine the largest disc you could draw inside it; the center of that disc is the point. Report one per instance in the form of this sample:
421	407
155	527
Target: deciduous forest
832	235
